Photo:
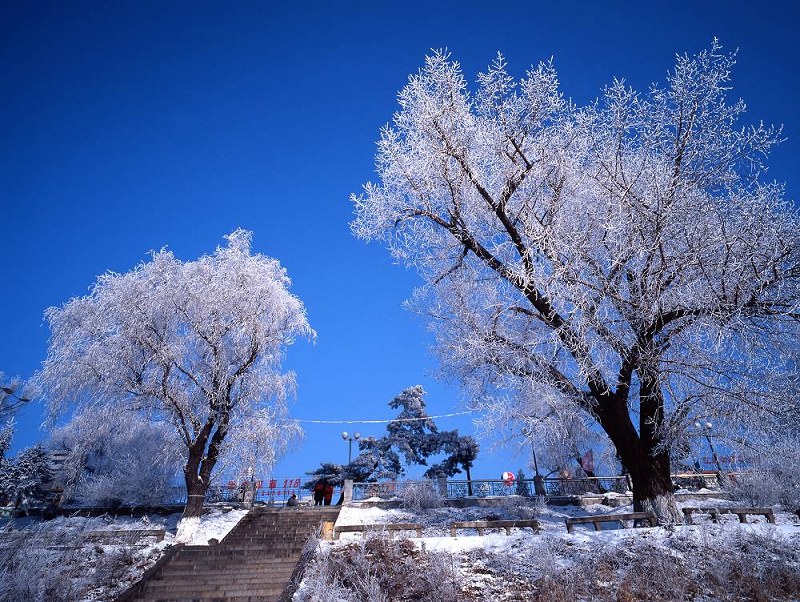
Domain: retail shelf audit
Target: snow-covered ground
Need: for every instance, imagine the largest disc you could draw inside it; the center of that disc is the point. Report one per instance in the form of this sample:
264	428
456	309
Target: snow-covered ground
707	561
49	561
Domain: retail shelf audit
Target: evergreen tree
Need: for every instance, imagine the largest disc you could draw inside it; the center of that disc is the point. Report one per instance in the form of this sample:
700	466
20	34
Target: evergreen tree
25	478
5	440
414	436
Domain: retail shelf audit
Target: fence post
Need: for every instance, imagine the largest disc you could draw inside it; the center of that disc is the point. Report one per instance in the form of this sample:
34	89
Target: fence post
249	494
347	491
442	483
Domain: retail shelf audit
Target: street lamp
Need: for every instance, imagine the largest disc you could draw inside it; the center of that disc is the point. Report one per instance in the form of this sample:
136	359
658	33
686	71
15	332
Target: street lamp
346	436
707	432
538	479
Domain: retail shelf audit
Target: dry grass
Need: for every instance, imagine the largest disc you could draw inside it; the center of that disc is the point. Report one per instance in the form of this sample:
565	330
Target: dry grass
730	564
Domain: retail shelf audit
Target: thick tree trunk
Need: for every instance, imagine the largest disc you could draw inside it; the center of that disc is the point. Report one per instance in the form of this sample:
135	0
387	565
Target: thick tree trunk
197	472
649	470
655	491
195	486
196	491
652	487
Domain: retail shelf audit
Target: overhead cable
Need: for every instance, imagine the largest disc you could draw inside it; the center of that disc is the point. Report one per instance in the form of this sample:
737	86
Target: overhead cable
382	421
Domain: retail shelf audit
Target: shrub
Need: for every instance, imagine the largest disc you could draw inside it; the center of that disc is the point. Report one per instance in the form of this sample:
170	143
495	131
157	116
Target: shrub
379	569
774	478
525	508
422	495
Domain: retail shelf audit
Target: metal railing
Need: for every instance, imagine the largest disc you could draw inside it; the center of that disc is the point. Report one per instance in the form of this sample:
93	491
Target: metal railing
562	486
456	489
239	494
552	486
385	490
482	488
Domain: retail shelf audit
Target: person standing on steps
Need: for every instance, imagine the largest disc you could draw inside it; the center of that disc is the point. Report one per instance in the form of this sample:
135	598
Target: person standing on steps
328	494
319	493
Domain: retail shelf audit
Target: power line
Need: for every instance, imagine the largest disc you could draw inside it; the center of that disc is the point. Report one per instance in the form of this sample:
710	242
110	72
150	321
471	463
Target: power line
382	421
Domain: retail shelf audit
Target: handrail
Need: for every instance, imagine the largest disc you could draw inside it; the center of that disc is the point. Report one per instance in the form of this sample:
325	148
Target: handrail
552	486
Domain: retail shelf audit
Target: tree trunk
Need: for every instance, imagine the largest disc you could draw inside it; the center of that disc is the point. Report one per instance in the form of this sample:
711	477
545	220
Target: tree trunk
196	491
652	488
197	472
649	470
195	487
654	493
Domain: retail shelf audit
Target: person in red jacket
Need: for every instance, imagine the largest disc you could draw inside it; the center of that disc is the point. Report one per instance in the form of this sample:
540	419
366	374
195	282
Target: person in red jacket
328	494
319	492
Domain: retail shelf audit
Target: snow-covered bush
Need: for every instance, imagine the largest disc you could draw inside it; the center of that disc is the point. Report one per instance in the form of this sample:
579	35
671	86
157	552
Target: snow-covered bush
774	478
41	564
523	507
117	457
379	569
686	566
23	479
420	495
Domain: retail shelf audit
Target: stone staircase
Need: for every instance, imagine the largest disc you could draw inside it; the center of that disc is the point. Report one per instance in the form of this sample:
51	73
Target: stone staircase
254	562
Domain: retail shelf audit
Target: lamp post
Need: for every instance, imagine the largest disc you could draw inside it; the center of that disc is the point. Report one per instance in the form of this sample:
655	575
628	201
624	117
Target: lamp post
706	429
346	436
538	479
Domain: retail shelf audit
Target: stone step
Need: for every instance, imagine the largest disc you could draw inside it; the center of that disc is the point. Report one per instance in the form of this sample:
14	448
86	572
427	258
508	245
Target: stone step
244	553
173	576
188	581
193	569
213	597
245	548
266	596
187	586
254	562
260	593
255	565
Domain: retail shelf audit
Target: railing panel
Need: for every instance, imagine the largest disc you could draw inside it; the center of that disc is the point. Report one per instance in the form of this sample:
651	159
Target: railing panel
385	490
482	488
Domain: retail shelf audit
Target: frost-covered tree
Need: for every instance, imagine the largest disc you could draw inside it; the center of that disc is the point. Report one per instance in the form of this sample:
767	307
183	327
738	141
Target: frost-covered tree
336	474
460	452
409	435
5	442
13	395
414	436
117	456
25	478
327	471
625	259
196	344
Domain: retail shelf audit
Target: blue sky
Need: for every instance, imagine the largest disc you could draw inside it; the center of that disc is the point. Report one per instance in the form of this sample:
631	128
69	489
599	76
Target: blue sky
129	126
